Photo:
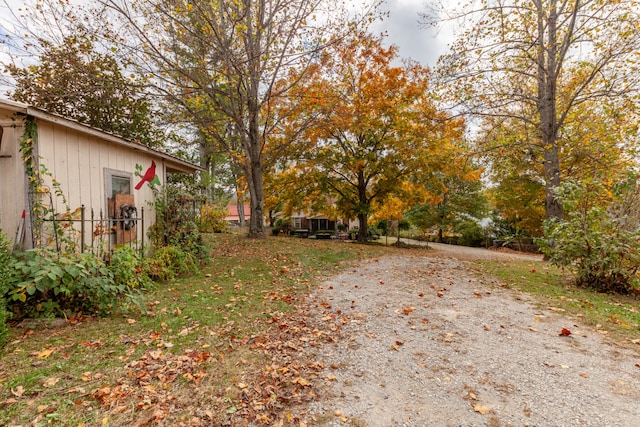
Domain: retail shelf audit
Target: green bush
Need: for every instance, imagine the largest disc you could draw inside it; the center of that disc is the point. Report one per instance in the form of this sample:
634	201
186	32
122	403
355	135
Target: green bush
212	218
46	284
598	241
471	234
5	268
177	224
129	268
169	261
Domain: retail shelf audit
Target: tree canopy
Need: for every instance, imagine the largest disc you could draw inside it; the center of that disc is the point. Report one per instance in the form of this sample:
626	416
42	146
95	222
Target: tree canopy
378	131
549	78
75	80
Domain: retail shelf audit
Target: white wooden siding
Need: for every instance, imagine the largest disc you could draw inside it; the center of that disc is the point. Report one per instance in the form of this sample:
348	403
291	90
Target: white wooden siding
78	163
12	181
77	156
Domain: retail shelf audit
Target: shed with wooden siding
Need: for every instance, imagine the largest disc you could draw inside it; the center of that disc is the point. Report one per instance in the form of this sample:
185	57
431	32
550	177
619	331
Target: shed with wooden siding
87	166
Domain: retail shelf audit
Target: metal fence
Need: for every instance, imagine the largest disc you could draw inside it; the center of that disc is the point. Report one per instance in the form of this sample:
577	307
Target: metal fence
85	231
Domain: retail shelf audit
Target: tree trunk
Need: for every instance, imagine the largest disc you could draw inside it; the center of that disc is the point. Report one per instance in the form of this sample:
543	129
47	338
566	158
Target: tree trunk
363	208
364	228
240	208
254	173
547	87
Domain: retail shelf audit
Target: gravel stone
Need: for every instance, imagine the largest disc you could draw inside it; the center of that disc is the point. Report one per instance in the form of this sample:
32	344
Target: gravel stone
429	343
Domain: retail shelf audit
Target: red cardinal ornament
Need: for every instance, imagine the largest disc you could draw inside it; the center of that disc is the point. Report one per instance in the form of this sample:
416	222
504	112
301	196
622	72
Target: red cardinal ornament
148	176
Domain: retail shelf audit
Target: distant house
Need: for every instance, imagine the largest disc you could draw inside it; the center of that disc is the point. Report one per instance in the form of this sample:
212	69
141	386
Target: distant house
313	223
234	214
92	169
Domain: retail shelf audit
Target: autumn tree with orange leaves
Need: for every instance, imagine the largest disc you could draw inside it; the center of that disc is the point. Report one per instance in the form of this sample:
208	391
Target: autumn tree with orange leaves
376	135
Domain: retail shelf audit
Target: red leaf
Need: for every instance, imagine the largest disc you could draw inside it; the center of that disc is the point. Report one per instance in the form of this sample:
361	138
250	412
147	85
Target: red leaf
565	332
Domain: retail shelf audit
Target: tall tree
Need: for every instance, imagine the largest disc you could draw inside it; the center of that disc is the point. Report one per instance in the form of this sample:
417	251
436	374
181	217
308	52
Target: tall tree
538	61
220	61
76	81
457	199
378	129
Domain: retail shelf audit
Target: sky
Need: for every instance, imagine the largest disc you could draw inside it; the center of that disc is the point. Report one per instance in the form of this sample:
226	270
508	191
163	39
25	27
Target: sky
414	41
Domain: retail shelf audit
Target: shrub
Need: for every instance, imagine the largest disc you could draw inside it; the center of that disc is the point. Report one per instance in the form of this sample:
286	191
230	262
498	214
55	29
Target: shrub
45	284
176	224
129	268
171	260
471	234
212	218
599	240
5	268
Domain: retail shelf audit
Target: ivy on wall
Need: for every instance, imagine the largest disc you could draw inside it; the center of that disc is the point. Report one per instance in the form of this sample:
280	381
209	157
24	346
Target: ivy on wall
34	180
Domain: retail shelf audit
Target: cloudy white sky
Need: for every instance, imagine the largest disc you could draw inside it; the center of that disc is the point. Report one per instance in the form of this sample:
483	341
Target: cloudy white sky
414	41
422	44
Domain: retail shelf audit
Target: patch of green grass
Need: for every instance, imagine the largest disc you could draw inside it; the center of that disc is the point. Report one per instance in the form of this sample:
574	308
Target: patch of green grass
552	287
49	376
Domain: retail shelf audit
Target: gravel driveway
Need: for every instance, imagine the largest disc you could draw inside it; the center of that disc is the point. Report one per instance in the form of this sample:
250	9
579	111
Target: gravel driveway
427	343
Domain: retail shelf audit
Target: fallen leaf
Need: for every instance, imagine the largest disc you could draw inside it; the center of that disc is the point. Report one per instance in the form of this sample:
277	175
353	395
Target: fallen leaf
131	321
533	329
565	332
44	354
583	375
483	410
408	310
485	327
300	381
50	382
18	392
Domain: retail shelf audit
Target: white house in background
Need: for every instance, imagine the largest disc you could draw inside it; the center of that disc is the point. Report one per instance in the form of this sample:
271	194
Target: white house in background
92	168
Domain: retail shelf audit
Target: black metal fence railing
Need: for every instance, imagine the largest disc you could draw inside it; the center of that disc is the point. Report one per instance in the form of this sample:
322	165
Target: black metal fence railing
96	234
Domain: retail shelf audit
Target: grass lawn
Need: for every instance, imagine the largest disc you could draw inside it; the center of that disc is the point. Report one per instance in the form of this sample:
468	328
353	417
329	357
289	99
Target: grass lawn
228	342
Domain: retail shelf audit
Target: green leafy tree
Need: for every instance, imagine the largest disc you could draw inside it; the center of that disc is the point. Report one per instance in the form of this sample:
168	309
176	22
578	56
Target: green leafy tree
599	240
458	201
74	80
533	65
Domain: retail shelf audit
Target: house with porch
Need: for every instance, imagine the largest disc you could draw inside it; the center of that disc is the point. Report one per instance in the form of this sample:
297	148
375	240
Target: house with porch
98	182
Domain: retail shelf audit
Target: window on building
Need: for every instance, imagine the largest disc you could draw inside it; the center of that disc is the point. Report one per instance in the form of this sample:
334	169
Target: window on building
117	182
120	185
118	191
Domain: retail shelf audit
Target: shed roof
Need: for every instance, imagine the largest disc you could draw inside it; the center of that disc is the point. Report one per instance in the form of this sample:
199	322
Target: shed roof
173	163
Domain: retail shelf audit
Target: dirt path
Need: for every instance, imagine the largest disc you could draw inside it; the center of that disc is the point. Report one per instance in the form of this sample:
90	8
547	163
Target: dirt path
425	343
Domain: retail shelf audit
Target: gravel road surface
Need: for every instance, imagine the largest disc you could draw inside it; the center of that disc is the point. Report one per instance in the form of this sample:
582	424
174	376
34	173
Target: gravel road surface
426	342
